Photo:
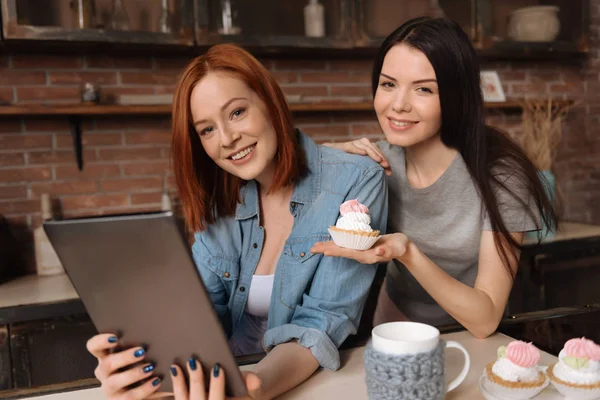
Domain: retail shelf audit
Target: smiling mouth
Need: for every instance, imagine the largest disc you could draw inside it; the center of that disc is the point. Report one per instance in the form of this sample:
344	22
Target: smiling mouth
243	153
402	124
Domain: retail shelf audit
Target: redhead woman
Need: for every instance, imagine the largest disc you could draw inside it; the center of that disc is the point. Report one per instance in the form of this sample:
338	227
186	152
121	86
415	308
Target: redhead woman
258	194
461	193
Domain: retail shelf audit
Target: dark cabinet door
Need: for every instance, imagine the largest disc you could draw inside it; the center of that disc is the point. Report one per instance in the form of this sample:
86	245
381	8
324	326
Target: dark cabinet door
5	365
378	18
61	21
272	23
51	352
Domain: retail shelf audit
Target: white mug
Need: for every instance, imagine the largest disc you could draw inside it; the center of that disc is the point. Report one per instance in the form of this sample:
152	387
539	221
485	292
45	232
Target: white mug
409	338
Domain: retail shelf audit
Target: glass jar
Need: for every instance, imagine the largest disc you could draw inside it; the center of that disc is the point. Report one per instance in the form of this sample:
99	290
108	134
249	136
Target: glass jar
228	19
165	20
119	20
84	13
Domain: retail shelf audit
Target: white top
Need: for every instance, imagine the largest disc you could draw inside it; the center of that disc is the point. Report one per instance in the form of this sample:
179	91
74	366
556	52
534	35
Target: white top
259	296
247	339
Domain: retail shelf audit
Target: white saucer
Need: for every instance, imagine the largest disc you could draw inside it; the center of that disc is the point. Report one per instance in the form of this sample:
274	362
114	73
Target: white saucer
485	393
488	396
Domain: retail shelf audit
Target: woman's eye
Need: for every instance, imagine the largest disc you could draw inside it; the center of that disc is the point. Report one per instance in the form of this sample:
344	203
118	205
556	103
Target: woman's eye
425	90
386	84
237	112
206	130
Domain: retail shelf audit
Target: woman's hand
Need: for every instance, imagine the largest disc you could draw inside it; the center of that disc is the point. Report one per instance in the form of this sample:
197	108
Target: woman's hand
117	371
196	389
363	147
388	247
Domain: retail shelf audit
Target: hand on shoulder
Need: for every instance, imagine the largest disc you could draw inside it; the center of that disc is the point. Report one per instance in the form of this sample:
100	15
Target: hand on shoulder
363	147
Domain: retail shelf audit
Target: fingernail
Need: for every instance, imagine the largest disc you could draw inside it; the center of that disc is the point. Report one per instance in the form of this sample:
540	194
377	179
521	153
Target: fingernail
139	352
148	368
113	339
193	365
216	370
173	371
156	381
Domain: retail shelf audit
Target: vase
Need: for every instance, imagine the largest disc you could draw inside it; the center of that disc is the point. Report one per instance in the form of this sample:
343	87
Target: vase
534	24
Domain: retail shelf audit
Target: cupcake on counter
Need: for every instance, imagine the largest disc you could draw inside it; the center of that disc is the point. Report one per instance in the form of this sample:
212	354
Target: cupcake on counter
515	374
353	230
576	375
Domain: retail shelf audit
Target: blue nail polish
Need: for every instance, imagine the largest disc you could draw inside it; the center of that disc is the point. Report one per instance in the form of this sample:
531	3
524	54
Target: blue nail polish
113	339
156	381
193	365
173	371
149	368
216	370
139	352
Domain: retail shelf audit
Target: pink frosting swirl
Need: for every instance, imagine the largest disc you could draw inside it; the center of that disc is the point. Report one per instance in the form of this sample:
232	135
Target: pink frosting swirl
583	348
353	206
523	354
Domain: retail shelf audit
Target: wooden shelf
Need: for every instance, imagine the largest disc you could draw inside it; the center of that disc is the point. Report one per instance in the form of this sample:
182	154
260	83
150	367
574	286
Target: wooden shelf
82	109
92	110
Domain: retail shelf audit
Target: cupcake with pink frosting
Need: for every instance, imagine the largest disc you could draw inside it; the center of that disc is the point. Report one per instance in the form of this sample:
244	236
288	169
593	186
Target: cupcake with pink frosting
576	375
353	230
515	374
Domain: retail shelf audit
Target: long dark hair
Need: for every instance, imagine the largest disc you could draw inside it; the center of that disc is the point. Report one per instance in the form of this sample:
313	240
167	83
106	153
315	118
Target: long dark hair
491	156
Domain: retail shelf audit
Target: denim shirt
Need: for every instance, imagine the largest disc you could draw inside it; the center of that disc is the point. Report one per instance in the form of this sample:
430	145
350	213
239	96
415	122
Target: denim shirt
316	300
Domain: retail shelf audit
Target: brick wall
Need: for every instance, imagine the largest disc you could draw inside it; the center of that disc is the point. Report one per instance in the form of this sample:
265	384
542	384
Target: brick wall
126	158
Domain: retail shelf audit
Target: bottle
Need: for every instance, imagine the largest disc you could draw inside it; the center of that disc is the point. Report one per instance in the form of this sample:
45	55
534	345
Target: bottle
435	10
119	20
314	19
46	260
228	19
165	20
187	19
165	202
84	13
89	93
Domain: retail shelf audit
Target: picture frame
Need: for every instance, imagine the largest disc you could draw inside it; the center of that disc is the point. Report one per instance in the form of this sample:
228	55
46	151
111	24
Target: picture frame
491	87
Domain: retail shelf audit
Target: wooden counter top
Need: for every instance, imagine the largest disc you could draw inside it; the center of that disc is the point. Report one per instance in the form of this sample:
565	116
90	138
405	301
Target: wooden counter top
34	289
569	231
349	381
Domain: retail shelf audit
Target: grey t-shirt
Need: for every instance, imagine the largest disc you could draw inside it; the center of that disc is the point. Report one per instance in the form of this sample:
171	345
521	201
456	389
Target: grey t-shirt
445	220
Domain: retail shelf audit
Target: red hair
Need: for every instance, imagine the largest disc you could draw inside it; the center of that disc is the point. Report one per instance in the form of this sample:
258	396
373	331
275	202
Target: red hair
207	192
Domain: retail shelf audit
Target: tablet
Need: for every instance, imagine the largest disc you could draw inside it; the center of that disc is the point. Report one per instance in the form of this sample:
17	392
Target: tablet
136	277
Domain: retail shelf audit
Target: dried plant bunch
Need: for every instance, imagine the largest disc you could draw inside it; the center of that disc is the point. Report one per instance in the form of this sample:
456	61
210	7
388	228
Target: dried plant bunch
542	130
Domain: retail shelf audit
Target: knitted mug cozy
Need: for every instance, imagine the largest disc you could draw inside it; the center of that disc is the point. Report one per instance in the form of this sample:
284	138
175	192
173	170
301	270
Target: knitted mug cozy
405	377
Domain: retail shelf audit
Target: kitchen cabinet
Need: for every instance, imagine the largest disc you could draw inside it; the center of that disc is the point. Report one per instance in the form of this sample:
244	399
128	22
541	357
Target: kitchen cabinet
352	27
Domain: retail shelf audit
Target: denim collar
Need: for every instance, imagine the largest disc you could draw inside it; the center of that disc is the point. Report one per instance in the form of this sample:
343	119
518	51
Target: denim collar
305	191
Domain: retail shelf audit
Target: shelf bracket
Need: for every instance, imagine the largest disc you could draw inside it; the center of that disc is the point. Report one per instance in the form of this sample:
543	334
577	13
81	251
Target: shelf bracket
75	122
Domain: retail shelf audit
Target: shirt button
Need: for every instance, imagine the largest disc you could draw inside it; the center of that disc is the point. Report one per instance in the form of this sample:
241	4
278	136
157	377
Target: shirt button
242	289
302	254
226	275
293	204
255	245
